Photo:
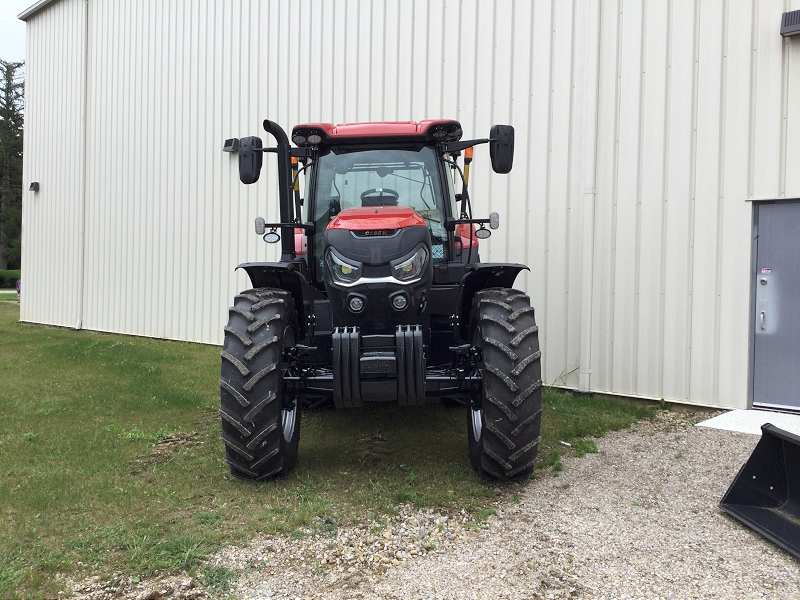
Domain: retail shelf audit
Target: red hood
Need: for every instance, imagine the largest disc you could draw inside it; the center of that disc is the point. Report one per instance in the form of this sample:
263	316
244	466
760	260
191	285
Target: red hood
378	217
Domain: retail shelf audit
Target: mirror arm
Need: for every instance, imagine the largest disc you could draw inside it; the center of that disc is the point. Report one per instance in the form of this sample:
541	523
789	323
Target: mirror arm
298	152
464	144
309	227
450	223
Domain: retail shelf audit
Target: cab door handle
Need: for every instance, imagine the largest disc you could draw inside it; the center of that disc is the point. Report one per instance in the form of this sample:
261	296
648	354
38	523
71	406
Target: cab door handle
763	320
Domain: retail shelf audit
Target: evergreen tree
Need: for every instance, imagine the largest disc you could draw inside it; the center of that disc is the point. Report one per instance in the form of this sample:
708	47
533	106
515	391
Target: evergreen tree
11	121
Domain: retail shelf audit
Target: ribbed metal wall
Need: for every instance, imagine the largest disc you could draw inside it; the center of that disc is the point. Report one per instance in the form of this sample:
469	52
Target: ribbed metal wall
644	130
696	105
53	217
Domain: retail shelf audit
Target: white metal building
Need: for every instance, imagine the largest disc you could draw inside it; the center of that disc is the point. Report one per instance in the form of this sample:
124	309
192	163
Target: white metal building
647	131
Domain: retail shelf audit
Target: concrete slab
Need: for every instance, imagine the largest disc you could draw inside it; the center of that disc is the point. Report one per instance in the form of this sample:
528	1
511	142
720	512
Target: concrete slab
750	421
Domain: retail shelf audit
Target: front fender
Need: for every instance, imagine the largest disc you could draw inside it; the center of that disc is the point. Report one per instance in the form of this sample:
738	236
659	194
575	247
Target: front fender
480	276
285	276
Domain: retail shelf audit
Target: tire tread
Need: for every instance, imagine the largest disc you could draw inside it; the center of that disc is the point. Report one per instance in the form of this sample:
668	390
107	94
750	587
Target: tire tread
511	401
251	400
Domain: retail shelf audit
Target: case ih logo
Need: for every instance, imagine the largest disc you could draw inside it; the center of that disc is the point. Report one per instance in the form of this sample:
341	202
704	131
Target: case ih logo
378	232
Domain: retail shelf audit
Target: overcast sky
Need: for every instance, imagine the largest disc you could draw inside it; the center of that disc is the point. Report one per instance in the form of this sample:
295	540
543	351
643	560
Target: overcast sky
12	30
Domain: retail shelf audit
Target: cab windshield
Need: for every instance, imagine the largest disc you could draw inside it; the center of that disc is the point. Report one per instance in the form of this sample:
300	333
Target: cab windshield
383	178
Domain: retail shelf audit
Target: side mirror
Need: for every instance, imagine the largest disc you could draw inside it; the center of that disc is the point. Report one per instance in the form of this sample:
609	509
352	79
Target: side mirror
501	148
251	158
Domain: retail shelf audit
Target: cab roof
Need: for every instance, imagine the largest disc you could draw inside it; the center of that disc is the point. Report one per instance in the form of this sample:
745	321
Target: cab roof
388	132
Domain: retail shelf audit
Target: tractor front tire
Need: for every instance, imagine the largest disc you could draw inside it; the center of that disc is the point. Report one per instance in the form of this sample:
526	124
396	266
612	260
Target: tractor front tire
503	424
260	424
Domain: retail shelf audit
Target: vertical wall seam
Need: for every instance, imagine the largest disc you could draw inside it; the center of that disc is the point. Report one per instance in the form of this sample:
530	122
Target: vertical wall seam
784	112
344	51
458	63
204	98
383	53
586	363
191	187
442	51
751	141
693	195
397	71
548	167
492	106
639	193
507	202
473	125
723	101
529	130
568	187
614	192
142	198
84	166
410	114
664	200
427	54
369	64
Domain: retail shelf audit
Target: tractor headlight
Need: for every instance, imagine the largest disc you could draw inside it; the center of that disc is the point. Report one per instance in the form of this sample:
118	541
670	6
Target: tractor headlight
411	268
341	270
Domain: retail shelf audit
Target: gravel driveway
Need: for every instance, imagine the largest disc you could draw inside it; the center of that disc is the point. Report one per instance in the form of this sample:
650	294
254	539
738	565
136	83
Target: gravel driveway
639	519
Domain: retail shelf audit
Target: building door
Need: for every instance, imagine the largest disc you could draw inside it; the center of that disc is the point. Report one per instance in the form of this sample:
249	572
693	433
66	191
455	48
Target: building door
776	345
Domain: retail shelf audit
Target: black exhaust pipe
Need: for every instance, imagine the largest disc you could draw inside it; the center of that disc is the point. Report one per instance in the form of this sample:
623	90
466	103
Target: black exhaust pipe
284	187
765	495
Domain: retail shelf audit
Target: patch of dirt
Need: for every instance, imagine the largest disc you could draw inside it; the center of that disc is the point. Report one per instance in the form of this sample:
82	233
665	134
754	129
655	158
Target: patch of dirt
174	587
164	449
675	421
373	447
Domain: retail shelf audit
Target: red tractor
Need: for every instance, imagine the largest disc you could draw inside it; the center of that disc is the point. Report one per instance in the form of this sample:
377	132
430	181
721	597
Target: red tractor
379	296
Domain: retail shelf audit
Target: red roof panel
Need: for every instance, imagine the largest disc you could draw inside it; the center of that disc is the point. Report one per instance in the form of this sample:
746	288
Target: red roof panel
344	132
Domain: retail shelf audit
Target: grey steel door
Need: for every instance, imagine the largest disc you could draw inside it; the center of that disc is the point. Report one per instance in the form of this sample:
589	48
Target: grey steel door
776	345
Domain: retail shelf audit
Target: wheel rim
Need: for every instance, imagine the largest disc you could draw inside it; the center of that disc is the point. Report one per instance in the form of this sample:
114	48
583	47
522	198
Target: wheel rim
477	415
477	423
288	420
288	416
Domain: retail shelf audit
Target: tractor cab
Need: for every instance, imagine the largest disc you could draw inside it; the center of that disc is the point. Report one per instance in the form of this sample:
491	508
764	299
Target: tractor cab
378	165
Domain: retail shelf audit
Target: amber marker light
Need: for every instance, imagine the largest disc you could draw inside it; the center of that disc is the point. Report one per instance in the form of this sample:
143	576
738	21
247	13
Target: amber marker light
294	170
467	160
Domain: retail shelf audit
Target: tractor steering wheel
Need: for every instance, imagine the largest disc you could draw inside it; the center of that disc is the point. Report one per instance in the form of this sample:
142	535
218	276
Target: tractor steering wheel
375	197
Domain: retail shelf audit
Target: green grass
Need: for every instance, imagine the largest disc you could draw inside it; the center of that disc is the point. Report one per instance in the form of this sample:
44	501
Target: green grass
110	459
572	418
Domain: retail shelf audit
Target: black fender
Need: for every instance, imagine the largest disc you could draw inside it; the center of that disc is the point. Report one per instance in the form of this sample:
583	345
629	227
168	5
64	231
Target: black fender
285	276
478	277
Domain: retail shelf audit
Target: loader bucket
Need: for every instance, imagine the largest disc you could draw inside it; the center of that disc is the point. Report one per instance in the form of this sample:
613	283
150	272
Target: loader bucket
765	495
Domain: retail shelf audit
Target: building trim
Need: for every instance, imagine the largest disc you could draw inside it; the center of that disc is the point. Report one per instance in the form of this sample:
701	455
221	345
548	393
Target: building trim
32	10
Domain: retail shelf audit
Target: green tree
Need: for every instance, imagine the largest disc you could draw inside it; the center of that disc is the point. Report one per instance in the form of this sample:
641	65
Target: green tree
12	90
